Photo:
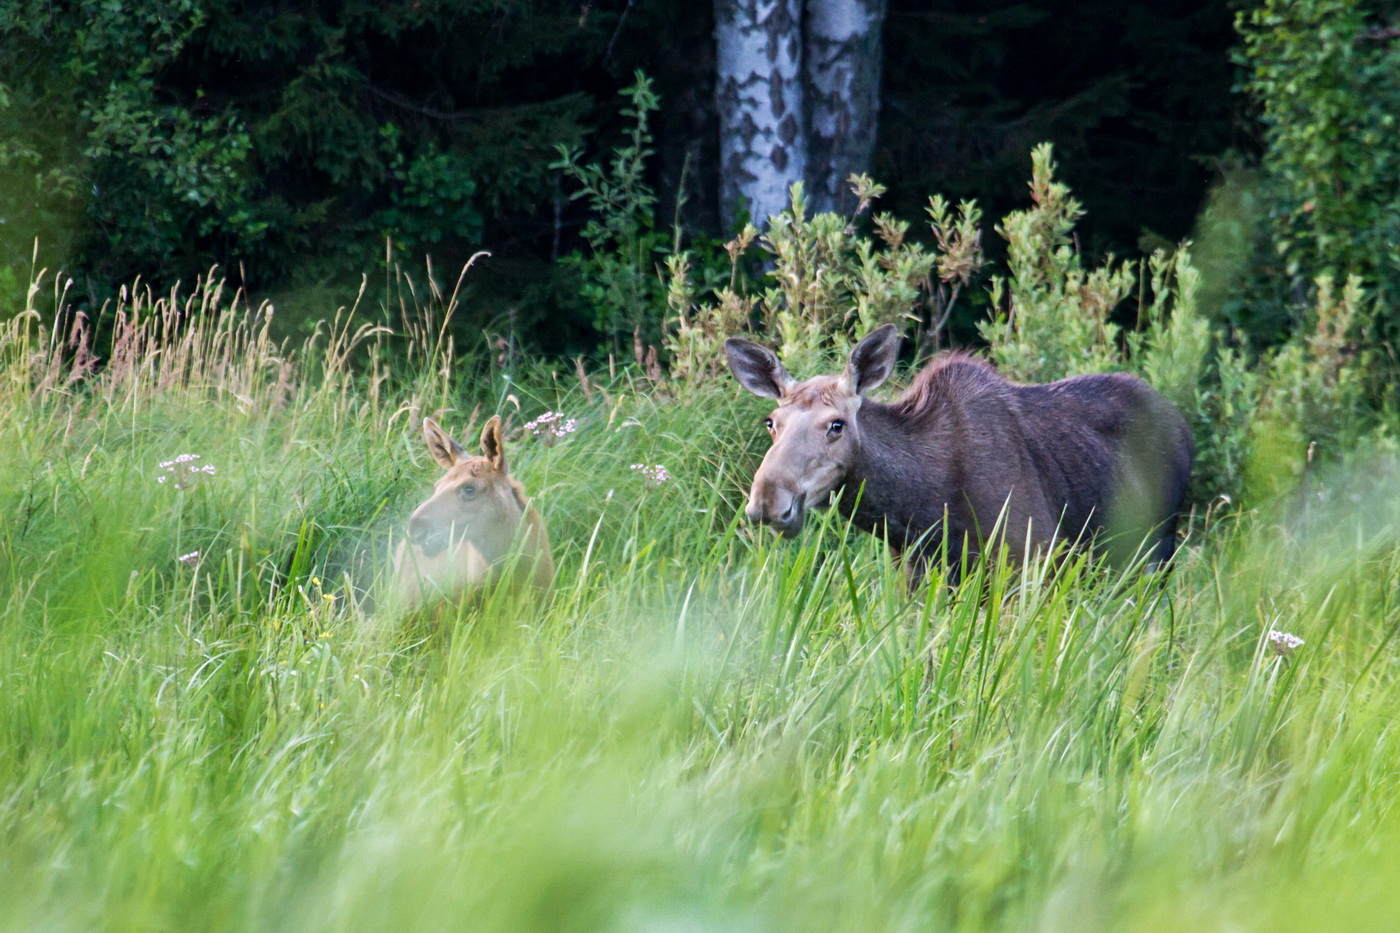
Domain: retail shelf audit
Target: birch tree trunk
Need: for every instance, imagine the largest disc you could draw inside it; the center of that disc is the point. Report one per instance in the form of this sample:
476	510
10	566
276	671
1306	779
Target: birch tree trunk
759	96
842	72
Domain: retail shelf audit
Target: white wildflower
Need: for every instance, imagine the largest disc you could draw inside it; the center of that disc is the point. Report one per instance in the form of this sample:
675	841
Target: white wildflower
184	470
655	475
551	424
190	560
1284	644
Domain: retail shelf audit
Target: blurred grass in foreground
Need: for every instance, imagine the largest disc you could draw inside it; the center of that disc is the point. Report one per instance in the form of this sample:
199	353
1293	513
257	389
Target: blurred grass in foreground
703	729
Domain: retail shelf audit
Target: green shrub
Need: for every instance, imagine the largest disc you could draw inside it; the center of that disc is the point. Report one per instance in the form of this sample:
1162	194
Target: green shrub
1052	315
826	283
158	139
1325	76
618	276
431	198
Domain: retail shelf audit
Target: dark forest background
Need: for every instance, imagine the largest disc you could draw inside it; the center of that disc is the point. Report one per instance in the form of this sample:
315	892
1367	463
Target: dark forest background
288	141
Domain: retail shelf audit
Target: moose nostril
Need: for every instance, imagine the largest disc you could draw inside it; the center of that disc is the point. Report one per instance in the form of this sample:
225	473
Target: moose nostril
787	515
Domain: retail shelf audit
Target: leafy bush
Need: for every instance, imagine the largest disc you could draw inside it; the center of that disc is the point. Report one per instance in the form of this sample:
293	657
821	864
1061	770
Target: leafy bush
1053	316
432	198
1325	75
618	274
155	140
89	156
829	282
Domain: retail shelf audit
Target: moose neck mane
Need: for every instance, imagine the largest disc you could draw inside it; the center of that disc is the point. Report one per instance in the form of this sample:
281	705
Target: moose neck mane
891	471
950	380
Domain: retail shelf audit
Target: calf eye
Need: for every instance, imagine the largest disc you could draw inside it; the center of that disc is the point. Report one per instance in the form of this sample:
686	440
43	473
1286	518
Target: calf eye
768	423
466	492
836	427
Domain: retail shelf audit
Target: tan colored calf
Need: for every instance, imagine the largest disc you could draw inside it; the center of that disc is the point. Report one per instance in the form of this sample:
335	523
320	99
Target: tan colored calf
477	525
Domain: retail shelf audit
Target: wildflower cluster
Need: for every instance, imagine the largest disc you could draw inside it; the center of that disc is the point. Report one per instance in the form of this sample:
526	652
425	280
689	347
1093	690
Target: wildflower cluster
1284	644
184	471
550	425
190	560
654	475
311	603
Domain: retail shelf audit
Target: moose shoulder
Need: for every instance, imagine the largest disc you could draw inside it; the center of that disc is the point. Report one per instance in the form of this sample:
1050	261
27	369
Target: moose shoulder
963	455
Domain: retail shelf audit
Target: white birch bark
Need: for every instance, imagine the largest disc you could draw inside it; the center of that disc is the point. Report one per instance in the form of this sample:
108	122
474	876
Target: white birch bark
842	71
759	96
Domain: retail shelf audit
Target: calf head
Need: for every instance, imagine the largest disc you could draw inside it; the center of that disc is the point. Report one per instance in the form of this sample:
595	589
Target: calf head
475	502
815	427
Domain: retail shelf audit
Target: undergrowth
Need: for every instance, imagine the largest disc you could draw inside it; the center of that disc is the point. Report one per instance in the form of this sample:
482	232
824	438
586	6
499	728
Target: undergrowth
701	728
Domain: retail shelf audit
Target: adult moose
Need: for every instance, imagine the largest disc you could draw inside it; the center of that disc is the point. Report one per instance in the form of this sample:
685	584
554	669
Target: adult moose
966	457
476	526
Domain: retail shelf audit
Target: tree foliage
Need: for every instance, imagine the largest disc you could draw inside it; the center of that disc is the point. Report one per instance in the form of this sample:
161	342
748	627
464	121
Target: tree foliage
1134	96
618	278
1325	76
286	142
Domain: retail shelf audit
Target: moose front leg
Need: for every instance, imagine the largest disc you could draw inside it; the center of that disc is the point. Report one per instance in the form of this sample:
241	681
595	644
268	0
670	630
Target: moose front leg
933	547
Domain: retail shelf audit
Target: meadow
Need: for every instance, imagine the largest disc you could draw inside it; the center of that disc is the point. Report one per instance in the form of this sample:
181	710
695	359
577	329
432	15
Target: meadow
202	726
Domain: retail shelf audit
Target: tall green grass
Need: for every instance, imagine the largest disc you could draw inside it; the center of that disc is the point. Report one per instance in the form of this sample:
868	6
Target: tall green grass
701	728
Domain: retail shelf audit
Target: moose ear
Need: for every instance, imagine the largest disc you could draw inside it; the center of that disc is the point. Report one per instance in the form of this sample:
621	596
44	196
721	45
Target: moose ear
493	445
871	361
756	368
445	450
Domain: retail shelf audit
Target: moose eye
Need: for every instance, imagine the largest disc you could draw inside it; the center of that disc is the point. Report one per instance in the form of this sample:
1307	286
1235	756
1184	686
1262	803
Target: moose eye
466	492
768	423
836	427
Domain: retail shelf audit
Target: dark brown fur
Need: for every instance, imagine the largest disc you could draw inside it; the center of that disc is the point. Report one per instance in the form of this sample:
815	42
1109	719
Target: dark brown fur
1076	458
964	456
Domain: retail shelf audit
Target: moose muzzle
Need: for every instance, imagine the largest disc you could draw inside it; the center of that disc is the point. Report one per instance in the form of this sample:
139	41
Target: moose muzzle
429	535
778	508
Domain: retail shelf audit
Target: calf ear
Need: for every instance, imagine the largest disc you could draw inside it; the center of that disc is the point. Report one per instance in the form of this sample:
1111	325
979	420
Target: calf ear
493	445
756	368
871	361
445	450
